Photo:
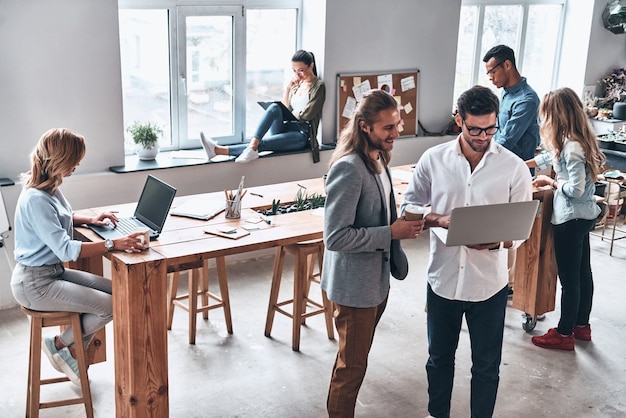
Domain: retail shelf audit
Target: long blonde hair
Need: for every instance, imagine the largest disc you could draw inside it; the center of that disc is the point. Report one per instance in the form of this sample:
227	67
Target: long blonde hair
563	117
353	139
56	154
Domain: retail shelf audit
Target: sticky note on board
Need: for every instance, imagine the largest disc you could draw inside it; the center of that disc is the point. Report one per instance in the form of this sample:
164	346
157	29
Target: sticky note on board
356	81
408	108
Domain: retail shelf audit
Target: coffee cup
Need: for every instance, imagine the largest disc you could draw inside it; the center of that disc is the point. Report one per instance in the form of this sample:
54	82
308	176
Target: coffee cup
414	213
144	238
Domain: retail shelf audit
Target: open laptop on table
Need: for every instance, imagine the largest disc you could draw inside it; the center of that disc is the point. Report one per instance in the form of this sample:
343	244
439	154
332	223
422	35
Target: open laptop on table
484	224
151	212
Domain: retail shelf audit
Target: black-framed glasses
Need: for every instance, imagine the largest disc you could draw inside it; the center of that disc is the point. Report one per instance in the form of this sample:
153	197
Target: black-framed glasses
493	69
475	131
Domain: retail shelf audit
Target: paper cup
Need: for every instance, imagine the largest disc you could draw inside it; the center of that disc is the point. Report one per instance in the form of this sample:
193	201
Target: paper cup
144	240
414	213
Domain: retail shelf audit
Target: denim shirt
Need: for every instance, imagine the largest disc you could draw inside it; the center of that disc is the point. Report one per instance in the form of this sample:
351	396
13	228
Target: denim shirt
519	128
574	198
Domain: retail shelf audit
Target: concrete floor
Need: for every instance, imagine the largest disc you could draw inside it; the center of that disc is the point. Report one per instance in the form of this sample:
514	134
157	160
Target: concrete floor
249	375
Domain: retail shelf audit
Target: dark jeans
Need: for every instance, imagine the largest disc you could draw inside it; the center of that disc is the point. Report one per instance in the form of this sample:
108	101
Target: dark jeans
485	322
571	248
284	136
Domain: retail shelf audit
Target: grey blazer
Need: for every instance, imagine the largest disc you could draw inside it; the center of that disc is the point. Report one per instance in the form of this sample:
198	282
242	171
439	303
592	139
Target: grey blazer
357	236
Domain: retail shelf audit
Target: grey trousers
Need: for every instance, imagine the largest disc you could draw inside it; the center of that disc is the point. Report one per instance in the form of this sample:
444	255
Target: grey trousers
54	288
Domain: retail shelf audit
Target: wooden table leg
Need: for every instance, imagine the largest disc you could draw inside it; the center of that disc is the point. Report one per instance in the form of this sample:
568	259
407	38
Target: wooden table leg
140	335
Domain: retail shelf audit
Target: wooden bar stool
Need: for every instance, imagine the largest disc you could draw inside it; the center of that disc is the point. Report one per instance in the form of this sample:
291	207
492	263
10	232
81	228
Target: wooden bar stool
305	256
198	285
38	321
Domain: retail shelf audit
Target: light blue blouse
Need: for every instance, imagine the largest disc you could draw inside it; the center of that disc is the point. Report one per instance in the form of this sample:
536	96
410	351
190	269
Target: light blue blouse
44	229
574	198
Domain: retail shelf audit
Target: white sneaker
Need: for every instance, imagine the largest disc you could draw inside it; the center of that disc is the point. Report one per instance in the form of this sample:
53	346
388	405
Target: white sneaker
247	155
209	145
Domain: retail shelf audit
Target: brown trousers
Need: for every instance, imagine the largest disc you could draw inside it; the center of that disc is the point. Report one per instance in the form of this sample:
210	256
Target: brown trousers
355	328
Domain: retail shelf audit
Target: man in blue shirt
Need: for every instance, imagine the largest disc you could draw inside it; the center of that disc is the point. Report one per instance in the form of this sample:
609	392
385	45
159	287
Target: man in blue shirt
517	119
519	127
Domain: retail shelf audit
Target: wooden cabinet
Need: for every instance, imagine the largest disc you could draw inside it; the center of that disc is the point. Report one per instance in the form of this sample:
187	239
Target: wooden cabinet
535	267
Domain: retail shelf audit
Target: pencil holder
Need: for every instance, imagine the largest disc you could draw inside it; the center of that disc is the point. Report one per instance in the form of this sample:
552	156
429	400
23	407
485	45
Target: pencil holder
233	209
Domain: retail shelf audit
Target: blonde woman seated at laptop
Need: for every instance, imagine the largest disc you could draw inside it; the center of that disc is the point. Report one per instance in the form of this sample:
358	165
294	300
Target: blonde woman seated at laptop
44	223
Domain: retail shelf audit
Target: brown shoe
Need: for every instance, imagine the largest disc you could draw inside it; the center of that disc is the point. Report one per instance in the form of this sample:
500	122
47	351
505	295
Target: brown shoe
552	339
582	333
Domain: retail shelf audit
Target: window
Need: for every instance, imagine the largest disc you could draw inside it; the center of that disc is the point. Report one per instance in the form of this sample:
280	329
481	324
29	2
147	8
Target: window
192	68
533	29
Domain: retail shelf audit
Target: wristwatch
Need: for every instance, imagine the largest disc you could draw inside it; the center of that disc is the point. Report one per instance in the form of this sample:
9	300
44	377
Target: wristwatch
108	243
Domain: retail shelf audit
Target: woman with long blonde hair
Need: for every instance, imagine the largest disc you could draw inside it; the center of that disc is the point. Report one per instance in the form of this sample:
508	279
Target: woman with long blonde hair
44	223
573	152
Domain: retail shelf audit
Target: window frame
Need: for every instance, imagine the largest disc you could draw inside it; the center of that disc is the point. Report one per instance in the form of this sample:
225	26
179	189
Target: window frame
477	63
176	59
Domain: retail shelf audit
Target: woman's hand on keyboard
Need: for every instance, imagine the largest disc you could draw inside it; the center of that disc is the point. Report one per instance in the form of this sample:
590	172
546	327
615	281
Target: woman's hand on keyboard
105	218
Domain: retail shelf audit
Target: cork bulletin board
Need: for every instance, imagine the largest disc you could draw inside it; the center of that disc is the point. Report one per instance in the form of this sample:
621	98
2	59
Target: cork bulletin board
403	85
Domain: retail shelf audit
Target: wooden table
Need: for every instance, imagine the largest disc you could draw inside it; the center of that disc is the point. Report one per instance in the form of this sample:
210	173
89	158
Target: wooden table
139	285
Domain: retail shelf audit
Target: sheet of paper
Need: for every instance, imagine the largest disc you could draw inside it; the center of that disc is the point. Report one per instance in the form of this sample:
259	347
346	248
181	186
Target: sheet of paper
385	82
358	94
407	83
348	109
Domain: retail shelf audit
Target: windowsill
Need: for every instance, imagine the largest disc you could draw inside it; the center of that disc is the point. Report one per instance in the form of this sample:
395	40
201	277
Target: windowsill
187	158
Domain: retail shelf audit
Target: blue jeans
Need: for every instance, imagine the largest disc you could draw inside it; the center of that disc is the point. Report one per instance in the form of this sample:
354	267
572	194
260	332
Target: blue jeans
485	322
571	248
284	136
54	288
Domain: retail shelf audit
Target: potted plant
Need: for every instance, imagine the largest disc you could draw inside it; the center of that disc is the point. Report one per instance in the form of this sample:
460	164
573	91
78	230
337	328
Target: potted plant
146	136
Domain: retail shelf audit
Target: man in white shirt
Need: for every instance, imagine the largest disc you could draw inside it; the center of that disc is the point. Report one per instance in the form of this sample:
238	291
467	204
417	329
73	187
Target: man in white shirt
467	280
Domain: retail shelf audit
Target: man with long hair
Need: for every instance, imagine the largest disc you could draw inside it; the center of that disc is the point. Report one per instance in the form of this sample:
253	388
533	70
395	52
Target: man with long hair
361	233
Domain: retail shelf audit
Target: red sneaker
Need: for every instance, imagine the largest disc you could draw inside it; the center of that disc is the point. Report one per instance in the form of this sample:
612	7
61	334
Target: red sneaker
582	333
552	339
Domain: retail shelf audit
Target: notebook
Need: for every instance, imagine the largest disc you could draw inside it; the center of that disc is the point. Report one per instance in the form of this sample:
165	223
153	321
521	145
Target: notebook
287	115
151	212
484	224
203	209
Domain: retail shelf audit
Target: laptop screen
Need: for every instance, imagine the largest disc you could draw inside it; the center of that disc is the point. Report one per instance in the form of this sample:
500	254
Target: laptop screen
154	203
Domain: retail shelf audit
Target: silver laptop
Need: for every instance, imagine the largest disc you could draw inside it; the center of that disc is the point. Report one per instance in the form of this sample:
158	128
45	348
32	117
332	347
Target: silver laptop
484	224
151	212
203	209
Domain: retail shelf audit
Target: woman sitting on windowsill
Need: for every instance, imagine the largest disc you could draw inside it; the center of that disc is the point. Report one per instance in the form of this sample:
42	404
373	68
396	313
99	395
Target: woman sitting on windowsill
304	97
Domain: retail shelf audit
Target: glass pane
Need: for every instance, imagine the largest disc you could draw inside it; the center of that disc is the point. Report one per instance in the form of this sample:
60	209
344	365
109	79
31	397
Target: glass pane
540	49
145	70
271	42
209	75
465	50
502	25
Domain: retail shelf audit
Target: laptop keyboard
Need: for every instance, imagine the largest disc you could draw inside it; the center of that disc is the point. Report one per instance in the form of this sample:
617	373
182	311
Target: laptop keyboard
126	226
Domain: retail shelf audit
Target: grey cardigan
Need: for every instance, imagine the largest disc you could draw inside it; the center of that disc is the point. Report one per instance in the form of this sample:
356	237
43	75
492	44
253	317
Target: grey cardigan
357	236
